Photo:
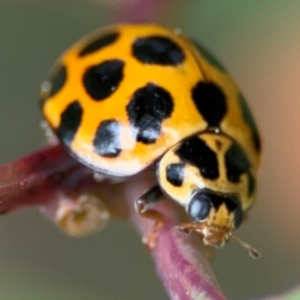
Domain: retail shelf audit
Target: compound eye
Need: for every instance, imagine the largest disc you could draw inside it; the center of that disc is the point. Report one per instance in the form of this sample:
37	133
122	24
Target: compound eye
238	217
199	207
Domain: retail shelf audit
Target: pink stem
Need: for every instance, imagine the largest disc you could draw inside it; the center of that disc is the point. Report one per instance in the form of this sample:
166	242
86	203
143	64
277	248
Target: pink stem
47	175
140	10
30	180
181	260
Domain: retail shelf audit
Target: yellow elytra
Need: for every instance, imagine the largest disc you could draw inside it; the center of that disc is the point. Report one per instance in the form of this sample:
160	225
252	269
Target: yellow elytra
129	95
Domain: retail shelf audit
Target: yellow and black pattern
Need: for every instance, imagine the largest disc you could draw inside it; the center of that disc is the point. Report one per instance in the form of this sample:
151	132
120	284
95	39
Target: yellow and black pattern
131	95
208	161
124	95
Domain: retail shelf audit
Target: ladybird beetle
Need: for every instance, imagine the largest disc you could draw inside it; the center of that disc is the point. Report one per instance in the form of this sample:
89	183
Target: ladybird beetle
131	95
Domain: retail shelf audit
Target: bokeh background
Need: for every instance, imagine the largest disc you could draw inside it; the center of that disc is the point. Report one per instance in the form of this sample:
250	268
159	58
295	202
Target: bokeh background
259	42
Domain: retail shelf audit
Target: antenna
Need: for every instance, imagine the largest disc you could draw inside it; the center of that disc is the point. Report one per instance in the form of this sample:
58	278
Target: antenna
252	251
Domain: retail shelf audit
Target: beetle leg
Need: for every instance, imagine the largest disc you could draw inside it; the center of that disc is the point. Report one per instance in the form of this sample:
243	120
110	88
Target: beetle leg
144	207
186	227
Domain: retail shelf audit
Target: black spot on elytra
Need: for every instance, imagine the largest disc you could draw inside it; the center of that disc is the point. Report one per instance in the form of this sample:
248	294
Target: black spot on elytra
99	43
157	50
58	79
195	152
69	122
149	106
210	101
106	141
101	80
250	121
175	174
236	163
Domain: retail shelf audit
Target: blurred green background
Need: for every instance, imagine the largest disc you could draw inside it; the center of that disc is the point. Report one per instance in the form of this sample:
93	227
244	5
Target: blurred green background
259	42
